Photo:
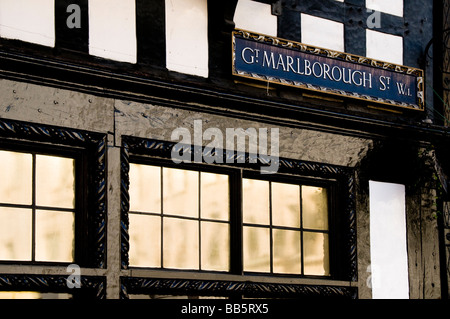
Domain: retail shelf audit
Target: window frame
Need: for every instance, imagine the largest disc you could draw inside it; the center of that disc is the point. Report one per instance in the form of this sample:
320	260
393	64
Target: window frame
158	162
88	151
79	193
339	181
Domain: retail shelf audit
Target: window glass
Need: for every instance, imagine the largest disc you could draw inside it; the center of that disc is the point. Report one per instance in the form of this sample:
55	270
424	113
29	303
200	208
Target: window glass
256	201
15	233
191	231
286	251
285	226
215	194
180	243
15	178
292	238
257	249
180	192
145	239
316	253
215	246
145	191
315	207
55	236
55	181
285	205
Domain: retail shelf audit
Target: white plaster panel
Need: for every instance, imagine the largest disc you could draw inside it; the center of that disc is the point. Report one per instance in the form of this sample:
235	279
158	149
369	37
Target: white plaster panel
384	47
187	36
28	20
322	33
255	16
112	29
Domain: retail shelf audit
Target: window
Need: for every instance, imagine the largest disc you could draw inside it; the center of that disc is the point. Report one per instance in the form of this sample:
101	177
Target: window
299	222
187	36
182	219
37	207
179	218
256	17
285	228
112	29
28	20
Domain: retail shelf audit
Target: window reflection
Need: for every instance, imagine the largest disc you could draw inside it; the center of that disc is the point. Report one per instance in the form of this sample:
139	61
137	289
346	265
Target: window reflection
256	249
215	246
285	205
15	233
214	196
145	190
180	243
55	181
316	254
15	178
256	201
286	252
145	240
180	192
279	240
55	236
315	207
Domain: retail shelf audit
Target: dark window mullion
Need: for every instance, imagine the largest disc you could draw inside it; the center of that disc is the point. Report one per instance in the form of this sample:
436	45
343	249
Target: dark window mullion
162	215
199	221
270	228
33	208
236	223
302	255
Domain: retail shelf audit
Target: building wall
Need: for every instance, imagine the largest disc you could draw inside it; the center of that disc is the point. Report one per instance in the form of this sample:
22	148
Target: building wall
373	144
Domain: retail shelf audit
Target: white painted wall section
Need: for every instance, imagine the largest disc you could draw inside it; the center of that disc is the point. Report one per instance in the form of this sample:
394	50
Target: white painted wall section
28	20
322	33
388	247
384	47
112	29
187	36
256	17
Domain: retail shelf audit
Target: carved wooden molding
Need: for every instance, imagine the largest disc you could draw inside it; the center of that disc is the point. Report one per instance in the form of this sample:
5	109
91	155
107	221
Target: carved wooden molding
52	283
158	286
